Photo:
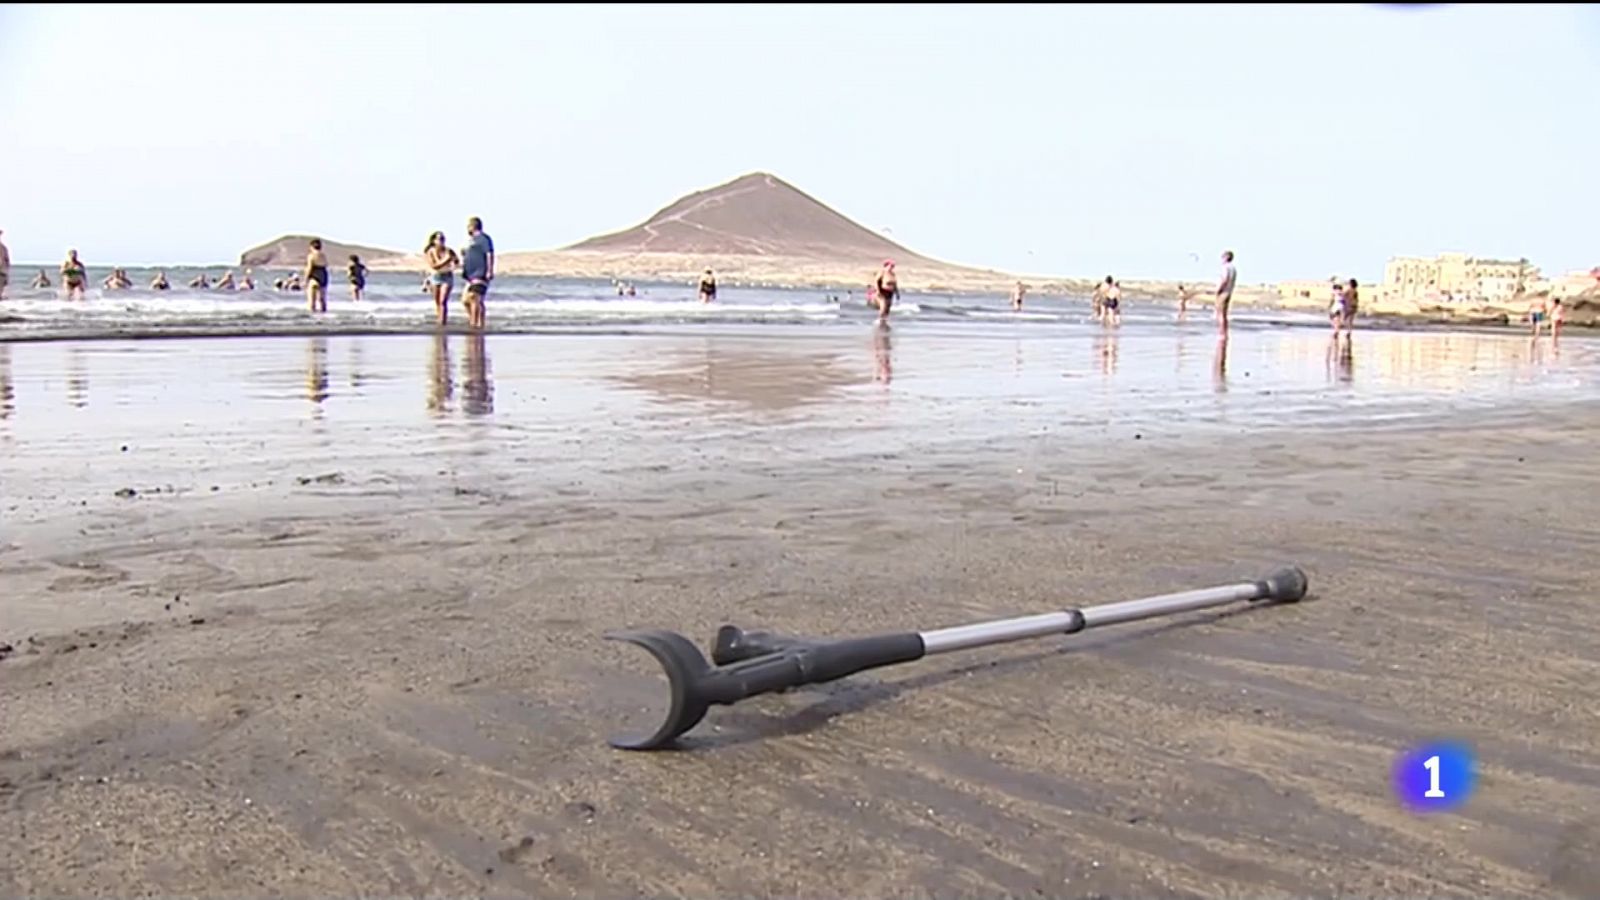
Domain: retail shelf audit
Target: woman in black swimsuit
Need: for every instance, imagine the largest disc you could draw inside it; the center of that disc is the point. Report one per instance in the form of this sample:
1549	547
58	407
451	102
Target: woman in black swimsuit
317	277
708	287
886	286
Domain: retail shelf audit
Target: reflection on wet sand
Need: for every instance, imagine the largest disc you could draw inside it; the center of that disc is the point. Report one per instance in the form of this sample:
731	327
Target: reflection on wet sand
77	378
761	376
317	373
358	367
479	400
883	354
1219	365
1105	351
441	386
8	391
1341	360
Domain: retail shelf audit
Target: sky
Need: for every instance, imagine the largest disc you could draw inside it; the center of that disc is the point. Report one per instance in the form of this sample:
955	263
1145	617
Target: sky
1057	139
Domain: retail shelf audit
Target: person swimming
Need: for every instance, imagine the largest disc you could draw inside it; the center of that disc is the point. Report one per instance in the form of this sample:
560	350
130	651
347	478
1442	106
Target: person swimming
708	287
117	281
225	283
74	275
40	280
357	272
200	282
248	283
316	275
442	262
160	282
886	285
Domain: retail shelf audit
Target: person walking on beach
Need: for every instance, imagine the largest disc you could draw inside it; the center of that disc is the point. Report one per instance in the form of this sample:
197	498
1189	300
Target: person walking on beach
5	268
441	261
1183	302
1098	299
1536	313
1017	293
1230	277
1336	305
74	276
358	278
887	285
316	277
708	287
1558	316
477	267
1113	303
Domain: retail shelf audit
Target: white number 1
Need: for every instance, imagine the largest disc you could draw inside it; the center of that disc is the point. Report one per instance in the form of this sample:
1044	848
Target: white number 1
1432	765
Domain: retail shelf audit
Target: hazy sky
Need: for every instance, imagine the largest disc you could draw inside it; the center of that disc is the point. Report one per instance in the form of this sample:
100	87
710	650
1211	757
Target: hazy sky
1051	139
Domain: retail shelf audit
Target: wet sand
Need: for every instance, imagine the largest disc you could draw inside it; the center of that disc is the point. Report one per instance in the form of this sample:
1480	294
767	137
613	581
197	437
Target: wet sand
330	623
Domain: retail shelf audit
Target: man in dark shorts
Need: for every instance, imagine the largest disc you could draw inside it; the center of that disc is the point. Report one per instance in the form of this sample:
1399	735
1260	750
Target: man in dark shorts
477	266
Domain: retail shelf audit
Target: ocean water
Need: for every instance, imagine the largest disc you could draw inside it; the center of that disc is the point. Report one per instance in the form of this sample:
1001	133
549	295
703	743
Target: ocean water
395	303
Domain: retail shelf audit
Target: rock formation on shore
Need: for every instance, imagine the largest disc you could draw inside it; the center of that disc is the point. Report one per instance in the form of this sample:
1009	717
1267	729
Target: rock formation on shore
754	215
289	251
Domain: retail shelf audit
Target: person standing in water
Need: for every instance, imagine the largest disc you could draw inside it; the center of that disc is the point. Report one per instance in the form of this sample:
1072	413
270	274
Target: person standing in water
1536	312
1113	302
316	276
358	278
887	285
1016	297
1098	299
1352	301
708	287
1225	285
1336	306
74	275
160	282
477	267
441	261
1183	301
5	268
1558	316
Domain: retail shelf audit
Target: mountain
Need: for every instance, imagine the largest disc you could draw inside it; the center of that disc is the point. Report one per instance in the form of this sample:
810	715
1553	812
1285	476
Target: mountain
755	215
290	250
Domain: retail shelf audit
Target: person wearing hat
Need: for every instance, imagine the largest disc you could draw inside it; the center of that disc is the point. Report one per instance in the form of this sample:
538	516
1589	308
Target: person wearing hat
885	286
708	287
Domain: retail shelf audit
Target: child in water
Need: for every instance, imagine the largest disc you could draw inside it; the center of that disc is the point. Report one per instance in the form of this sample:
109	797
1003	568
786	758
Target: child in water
358	277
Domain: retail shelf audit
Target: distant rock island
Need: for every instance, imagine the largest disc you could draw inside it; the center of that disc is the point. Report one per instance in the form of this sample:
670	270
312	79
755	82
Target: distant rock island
289	252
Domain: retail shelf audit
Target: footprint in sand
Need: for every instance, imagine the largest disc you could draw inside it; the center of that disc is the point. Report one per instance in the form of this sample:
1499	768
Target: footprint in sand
90	575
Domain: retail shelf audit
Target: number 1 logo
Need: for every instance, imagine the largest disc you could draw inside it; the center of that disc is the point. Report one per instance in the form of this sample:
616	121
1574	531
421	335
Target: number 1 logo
1435	777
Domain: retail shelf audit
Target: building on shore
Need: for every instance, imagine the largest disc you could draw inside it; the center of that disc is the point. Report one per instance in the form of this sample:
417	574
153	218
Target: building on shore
1310	292
1569	285
1457	277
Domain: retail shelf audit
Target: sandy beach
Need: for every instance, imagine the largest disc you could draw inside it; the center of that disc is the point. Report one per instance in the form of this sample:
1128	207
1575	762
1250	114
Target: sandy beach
322	615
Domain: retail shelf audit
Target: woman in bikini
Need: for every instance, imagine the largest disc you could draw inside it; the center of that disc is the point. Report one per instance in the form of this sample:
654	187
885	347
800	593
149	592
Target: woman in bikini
441	261
886	286
74	275
316	277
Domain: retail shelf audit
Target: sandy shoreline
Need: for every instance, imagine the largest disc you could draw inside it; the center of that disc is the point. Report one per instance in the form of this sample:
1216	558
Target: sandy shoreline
369	661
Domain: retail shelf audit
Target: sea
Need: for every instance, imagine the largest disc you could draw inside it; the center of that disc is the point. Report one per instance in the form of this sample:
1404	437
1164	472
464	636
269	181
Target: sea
396	303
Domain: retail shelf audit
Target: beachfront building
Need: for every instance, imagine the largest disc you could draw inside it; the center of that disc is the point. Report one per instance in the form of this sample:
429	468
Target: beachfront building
1569	285
1311	292
1457	277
